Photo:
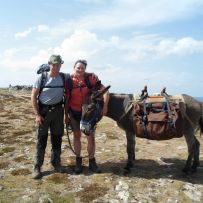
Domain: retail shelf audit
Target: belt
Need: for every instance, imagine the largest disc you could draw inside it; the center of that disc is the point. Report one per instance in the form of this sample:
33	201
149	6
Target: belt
52	106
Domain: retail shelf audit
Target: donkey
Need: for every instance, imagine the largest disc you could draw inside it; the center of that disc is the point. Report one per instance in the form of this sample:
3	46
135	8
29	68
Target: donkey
119	110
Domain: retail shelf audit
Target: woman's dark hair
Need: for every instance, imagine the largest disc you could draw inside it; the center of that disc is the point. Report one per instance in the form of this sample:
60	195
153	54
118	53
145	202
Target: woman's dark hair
84	62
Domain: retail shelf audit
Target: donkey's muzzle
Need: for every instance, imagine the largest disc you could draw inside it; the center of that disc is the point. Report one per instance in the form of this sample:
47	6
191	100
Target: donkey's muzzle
85	128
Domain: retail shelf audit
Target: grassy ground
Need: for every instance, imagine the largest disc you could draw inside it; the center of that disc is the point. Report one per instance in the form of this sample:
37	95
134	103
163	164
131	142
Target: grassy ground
156	177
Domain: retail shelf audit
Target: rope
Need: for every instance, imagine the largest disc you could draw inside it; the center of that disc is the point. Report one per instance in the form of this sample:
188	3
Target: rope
127	111
69	131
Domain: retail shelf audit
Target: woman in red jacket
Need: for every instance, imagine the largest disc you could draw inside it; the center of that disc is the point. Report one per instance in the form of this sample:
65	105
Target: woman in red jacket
75	98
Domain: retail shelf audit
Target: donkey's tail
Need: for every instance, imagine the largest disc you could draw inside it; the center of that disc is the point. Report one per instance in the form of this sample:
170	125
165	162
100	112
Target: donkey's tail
201	123
201	118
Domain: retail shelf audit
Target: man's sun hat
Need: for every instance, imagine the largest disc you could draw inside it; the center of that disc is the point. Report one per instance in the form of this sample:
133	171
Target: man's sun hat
55	59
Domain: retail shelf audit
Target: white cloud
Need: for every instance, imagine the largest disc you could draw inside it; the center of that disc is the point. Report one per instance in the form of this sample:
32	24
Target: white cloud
81	44
24	34
107	59
42	28
13	59
150	47
86	44
140	13
184	46
121	14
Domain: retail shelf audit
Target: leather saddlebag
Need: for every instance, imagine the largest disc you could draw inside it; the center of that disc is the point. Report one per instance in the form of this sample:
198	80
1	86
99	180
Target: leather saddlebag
154	121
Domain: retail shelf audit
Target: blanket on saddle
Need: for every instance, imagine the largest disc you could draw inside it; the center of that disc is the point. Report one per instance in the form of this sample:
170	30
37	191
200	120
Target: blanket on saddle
159	117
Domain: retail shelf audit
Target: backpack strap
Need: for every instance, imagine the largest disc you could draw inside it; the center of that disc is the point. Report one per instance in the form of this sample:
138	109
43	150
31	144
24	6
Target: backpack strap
63	78
87	81
43	80
70	83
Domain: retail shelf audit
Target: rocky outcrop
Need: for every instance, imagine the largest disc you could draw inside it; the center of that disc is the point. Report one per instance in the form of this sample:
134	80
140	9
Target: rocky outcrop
21	87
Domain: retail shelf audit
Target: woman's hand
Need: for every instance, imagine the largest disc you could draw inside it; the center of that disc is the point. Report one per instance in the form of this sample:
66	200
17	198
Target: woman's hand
67	119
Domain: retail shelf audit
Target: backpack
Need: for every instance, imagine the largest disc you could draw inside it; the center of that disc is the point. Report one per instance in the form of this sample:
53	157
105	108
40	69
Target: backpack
43	70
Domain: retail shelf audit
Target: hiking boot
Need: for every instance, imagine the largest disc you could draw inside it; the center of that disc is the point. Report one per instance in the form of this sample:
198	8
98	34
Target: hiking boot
78	166
93	166
58	169
37	173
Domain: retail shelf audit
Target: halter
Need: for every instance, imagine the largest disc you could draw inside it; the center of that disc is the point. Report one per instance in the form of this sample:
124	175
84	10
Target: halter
95	117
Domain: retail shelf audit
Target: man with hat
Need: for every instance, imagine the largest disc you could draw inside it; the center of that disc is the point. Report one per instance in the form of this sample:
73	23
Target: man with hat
47	103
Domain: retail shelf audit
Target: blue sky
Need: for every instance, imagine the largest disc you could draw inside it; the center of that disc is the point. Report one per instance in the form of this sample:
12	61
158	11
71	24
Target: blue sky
127	43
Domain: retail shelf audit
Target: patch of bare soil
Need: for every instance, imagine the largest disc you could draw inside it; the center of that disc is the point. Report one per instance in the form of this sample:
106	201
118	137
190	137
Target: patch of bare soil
156	176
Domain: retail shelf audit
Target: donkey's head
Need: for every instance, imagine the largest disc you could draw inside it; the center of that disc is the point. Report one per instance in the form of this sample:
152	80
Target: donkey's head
92	110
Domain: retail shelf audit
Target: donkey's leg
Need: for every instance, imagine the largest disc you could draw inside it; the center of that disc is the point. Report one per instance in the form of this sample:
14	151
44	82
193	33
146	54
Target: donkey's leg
196	162
192	149
130	149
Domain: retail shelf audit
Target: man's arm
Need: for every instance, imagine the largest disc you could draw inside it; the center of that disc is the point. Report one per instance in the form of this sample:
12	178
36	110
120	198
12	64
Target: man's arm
34	94
92	75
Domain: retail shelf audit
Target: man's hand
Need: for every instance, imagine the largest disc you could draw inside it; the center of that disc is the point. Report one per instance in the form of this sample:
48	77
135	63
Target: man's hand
39	119
94	76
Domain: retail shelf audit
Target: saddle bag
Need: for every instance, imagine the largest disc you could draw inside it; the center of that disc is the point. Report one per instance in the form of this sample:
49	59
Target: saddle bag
157	120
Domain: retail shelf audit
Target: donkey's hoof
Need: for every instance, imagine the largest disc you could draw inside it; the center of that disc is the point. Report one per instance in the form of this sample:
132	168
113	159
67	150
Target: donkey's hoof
126	171
128	166
186	170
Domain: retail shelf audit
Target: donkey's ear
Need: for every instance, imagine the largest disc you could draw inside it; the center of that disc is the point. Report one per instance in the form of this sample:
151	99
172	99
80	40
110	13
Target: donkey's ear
105	89
100	93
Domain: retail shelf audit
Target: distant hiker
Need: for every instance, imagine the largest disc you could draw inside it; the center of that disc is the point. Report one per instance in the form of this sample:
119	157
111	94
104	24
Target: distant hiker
47	102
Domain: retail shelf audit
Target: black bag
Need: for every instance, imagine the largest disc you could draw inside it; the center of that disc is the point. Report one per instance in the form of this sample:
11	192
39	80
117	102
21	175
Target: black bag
43	68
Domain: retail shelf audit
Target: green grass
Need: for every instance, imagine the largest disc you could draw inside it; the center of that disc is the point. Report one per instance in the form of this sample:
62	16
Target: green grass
58	178
21	132
4	165
21	171
68	198
92	192
6	150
